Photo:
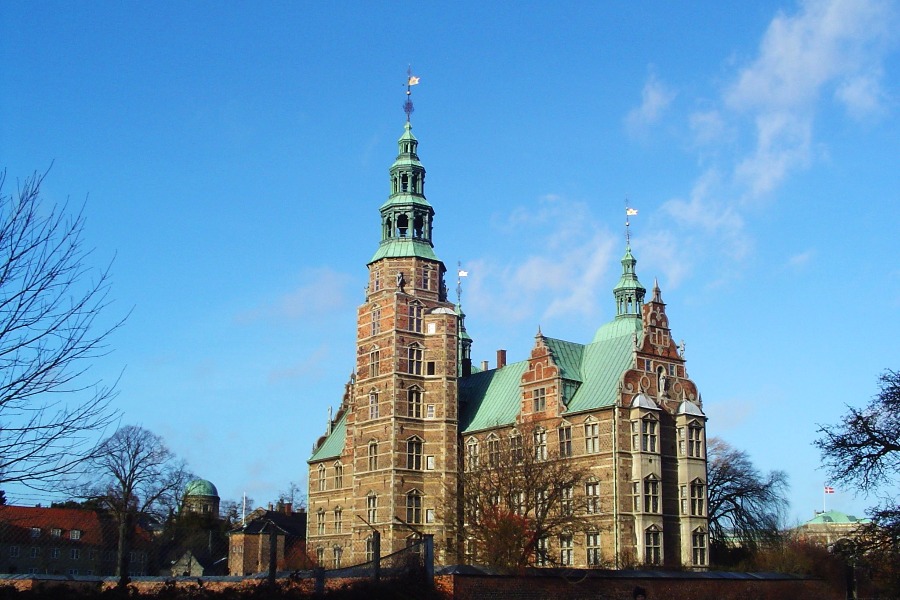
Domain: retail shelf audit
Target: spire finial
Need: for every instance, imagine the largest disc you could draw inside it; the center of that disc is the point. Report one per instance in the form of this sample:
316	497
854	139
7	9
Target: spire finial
411	80
459	275
629	212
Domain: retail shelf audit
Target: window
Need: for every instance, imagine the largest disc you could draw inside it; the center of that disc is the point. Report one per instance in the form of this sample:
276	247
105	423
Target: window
320	556
414	454
698	498
648	435
682	495
540	552
517	503
320	522
426	278
35	552
540	444
338	476
338	520
565	441
414	403
493	446
429	411
540	503
56	532
54	552
373	404
515	446
472	454
591	437
73	571
695	441
370	548
374	362
698	547
415	318
373	455
592	496
35	532
651	494
75	553
372	508
682	449
565	550
14	551
322	484
414	507
337	551
414	359
647	365
636	495
539	400
567	500
376	320
592	543
652	549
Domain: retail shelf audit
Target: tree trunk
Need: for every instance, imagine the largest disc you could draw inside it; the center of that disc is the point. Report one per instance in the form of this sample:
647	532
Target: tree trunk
122	558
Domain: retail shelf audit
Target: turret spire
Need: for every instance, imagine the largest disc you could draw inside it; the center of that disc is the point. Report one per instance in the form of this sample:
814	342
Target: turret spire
629	292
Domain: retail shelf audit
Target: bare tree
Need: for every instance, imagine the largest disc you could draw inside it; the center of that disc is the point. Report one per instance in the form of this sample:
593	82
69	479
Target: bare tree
513	498
50	332
863	452
745	506
293	495
136	474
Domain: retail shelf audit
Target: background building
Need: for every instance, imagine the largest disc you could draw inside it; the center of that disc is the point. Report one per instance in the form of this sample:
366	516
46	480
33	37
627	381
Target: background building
416	412
250	544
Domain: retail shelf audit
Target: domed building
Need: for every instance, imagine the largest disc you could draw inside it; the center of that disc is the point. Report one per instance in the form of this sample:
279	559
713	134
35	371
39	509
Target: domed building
202	497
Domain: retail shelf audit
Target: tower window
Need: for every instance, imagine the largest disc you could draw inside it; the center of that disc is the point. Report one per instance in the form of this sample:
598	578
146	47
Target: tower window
376	320
404	182
698	545
415	318
414	403
414	356
402	225
592	542
372	508
373	404
414	454
592	496
698	498
414	507
652	548
373	455
540	444
591	437
565	441
695	441
539	399
651	495
493	448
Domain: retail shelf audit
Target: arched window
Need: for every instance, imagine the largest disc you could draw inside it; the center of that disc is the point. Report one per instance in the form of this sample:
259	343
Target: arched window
472	454
644	436
591	436
592	496
414	453
373	455
414	311
653	545
695	440
493	450
698	498
320	521
698	547
565	440
516	448
370	548
374	362
322	483
338	519
414	359
540	444
651	494
338	475
414	402
372	508
414	507
373	404
376	320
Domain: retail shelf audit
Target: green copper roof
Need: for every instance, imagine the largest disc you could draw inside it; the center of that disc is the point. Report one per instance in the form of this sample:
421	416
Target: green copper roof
490	398
605	360
404	247
625	326
835	517
405	200
334	443
567	356
200	487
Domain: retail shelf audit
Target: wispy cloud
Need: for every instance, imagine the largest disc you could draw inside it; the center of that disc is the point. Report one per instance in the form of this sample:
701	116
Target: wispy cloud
799	261
655	99
321	292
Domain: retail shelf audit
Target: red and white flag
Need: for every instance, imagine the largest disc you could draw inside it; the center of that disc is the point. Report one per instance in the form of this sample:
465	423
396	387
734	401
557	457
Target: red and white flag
829	489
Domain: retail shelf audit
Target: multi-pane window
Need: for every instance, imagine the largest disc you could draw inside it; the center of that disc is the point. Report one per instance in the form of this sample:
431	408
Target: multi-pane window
472	454
652	546
372	509
373	404
566	544
540	503
517	503
538	399
698	547
376	285
376	320
75	534
540	552
592	496
14	552
75	553
373	455
636	495
567	500
320	556
54	552
651	495
540	444
415	318
592	544
414	453
414	403
698	498
565	441
320	522
414	507
370	548
516	448
374	363
337	552
35	532
695	441
338	520
426	278
338	476
414	359
591	437
322	485
56	532
648	435
682	495
35	551
493	447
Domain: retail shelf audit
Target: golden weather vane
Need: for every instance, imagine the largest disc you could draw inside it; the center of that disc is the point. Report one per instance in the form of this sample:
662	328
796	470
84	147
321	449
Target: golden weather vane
411	80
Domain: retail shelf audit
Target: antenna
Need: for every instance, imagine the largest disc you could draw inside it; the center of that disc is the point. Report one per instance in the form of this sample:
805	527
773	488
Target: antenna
411	80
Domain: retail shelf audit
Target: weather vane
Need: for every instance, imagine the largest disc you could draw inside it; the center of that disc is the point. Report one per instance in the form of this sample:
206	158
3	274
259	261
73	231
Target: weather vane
629	212
459	275
411	80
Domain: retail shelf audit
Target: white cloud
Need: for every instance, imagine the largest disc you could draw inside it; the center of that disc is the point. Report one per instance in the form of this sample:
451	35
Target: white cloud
323	291
655	99
799	261
862	95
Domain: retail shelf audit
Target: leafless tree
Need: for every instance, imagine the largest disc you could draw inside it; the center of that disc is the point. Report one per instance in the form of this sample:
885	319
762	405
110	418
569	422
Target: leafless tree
513	497
746	507
51	410
293	495
136	474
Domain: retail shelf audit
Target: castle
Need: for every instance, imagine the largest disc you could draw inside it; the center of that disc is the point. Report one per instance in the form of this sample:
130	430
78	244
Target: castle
416	416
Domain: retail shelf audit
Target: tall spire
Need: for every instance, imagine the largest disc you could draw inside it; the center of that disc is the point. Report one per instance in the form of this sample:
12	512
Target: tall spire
629	292
406	217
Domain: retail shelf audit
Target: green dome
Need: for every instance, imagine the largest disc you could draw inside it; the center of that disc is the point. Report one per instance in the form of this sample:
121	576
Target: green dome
201	487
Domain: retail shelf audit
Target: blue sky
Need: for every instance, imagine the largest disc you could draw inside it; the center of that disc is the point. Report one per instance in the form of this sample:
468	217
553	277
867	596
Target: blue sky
234	156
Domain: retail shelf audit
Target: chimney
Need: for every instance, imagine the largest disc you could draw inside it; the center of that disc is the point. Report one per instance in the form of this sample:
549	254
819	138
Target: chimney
288	508
466	367
501	359
484	365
